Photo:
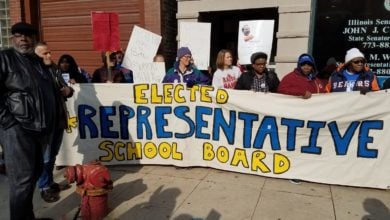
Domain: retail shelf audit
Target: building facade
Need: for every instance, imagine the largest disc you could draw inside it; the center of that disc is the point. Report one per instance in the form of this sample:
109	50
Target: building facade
292	23
324	28
66	25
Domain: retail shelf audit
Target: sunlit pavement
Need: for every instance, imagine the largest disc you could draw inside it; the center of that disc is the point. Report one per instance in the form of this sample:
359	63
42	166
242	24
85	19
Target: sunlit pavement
166	192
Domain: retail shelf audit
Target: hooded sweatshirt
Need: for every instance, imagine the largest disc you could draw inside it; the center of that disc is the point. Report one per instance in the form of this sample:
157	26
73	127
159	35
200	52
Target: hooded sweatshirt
296	83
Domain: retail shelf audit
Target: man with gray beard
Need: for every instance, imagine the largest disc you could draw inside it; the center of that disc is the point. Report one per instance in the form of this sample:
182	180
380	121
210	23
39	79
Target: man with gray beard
27	95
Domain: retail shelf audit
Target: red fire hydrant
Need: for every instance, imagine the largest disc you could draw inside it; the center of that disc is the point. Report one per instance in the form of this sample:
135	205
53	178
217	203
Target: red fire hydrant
93	184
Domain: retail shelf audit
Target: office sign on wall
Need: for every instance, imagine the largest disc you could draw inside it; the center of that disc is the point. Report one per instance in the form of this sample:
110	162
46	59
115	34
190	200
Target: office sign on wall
341	25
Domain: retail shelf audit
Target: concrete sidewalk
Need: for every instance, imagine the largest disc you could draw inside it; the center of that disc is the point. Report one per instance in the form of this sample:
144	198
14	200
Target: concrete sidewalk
166	192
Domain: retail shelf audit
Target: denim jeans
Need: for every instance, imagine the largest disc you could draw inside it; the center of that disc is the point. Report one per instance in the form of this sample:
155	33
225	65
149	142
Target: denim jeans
24	162
49	159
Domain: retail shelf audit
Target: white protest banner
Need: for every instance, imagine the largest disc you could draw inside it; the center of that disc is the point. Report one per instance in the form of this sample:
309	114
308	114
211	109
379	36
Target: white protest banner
196	36
149	72
254	36
142	47
337	138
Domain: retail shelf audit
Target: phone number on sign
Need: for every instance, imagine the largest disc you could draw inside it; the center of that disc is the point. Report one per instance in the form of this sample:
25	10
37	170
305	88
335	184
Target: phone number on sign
381	45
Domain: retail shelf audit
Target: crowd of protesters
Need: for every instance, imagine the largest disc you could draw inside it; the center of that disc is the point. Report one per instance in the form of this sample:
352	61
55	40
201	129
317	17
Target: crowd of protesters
31	129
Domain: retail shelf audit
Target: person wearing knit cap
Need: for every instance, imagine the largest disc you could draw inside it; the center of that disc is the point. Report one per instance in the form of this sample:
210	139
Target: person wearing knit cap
27	119
185	72
354	75
302	81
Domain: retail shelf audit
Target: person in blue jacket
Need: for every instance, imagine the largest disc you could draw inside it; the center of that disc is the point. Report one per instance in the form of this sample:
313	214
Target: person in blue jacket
185	72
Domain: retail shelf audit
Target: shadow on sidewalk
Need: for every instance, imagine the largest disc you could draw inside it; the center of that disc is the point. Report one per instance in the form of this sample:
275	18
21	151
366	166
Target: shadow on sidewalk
376	209
161	205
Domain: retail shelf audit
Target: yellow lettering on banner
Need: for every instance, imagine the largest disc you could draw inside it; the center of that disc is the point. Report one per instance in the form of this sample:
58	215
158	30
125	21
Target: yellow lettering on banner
257	163
136	150
222	96
165	150
105	147
204	93
175	154
119	156
281	163
150	150
139	95
239	156
178	98
208	153
156	99
223	154
168	93
193	91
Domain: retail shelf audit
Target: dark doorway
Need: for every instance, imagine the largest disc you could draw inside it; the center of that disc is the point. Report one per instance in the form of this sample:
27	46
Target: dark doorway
224	29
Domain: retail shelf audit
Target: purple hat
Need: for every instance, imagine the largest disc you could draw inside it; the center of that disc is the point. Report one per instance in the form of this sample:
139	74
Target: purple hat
182	51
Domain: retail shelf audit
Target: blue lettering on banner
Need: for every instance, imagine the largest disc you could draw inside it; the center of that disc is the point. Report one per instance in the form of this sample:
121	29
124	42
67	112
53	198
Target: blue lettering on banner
227	128
125	114
225	125
201	123
85	115
161	121
268	127
143	114
180	112
292	125
248	119
106	123
342	143
364	138
315	128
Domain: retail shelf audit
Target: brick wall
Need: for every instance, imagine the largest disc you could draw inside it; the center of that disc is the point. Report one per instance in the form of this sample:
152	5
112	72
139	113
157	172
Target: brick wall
15	11
152	15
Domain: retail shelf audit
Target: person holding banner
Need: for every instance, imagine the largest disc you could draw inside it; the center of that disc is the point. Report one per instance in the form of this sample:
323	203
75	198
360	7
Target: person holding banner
302	81
354	75
226	75
259	79
184	72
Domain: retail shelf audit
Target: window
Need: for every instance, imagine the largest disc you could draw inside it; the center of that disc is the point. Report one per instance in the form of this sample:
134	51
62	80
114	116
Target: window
4	24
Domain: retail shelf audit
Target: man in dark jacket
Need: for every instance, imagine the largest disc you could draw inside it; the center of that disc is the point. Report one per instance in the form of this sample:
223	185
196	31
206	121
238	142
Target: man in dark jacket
259	79
27	96
49	188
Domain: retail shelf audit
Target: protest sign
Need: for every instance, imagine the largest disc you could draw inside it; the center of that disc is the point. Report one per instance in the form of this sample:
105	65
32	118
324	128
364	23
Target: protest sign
254	36
105	31
196	36
142	47
337	138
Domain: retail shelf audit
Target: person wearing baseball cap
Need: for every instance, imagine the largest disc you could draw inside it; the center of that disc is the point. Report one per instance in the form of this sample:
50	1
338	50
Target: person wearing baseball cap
302	81
353	75
26	117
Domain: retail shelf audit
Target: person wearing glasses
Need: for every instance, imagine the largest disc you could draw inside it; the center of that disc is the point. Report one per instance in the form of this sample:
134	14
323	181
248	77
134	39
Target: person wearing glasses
27	119
184	72
354	75
259	78
302	81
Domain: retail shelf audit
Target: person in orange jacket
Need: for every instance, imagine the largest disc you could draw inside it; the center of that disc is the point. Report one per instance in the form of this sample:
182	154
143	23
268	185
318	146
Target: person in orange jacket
354	75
